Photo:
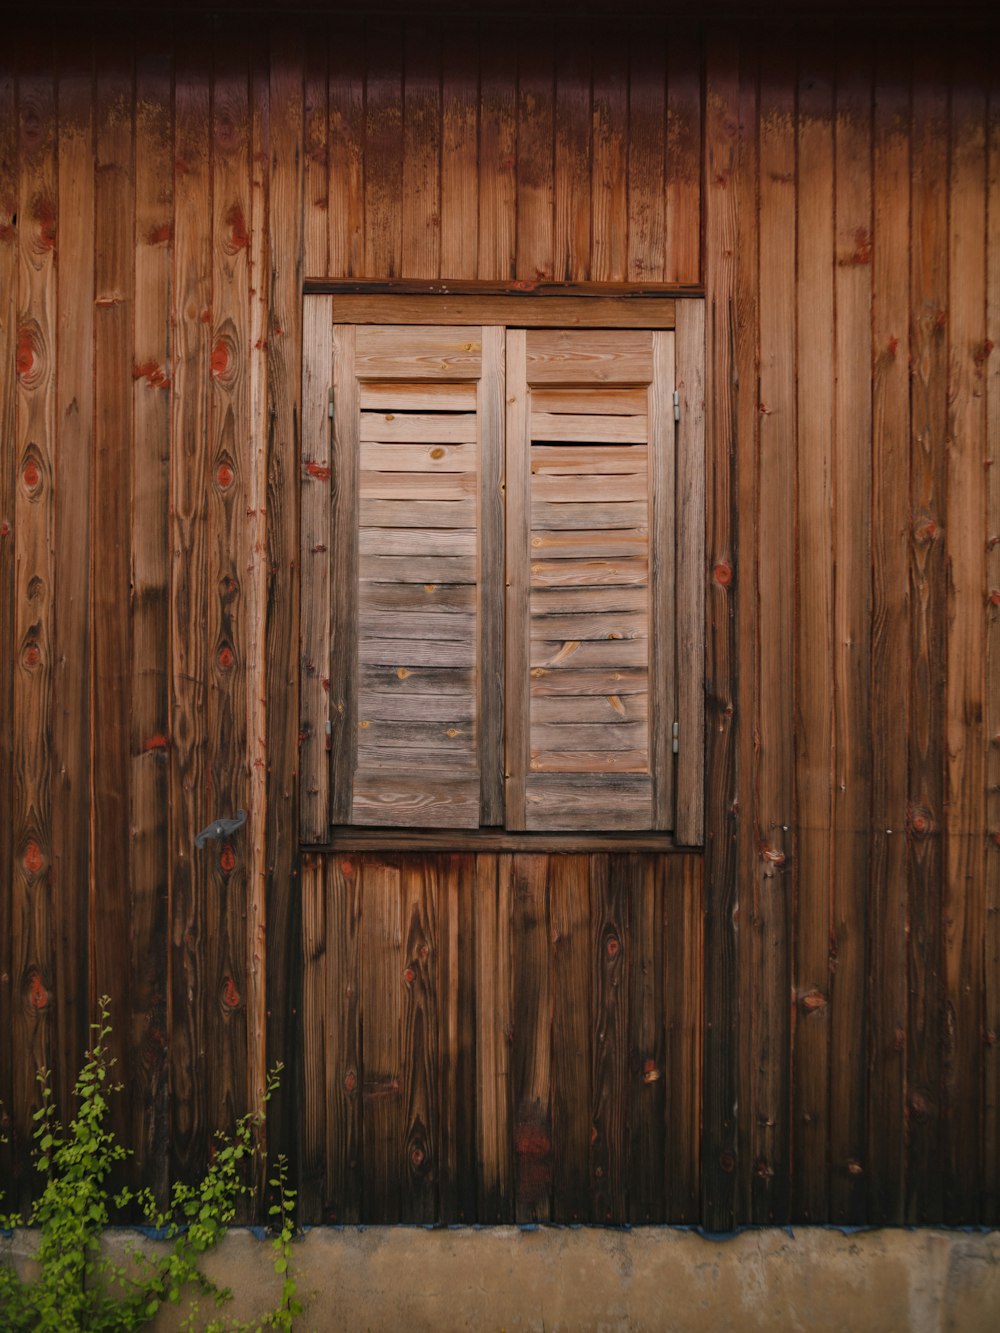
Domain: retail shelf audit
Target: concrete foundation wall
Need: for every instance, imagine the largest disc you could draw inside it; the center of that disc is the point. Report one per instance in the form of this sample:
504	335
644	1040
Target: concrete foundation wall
552	1279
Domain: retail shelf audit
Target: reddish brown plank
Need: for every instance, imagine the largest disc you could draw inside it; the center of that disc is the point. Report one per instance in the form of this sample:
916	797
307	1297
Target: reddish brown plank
346	181
74	448
965	744
459	151
494	1027
531	1054
613	882
684	161
497	155
647	133
457	1157
679	880
149	731
320	1065
33	973
571	164
813	641
419	1166
422	163
281	627
191	343
572	986
928	407
609	166
382	1001
341	1020
648	1018
890	642
768	923
226	625
315	163
722	1027
11	1159
535	133
384	151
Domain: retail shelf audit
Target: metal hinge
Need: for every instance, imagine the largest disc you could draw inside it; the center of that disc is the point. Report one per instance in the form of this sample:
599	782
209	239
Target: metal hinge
677	738
677	404
329	408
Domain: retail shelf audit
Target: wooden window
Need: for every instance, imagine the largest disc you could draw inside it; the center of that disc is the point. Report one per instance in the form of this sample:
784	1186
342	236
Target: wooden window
502	541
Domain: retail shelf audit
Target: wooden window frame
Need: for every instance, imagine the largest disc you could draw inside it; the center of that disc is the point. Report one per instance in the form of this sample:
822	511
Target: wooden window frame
549	305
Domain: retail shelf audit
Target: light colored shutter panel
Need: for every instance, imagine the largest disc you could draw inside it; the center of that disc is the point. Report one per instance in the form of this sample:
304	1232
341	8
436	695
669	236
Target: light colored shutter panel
412	745
589	487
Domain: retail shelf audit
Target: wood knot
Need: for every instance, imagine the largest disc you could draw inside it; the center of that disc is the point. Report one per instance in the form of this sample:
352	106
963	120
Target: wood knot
225	657
919	821
409	976
727	1162
350	1080
854	1167
763	1169
227	859
994	597
650	1073
723	573
613	946
239	234
813	1001
32	859
31	657
38	995
417	1158
230	995
318	472
346	868
31	475
224	476
773	855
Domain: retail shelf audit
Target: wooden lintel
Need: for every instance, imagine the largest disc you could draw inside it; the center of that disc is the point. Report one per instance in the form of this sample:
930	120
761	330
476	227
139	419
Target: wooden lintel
474	287
513	311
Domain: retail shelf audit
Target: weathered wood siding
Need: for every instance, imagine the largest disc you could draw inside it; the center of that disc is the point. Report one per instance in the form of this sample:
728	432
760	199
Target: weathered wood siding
803	1022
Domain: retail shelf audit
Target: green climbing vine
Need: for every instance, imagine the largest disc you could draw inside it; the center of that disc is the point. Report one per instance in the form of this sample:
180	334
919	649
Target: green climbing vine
78	1286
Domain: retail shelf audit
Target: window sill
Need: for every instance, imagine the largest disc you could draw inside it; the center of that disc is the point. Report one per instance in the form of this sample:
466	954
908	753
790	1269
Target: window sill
353	839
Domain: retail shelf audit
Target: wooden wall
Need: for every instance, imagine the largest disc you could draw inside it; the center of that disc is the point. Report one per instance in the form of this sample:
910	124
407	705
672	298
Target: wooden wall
820	991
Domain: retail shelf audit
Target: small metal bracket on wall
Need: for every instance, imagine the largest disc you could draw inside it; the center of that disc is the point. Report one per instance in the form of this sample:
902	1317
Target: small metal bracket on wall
220	827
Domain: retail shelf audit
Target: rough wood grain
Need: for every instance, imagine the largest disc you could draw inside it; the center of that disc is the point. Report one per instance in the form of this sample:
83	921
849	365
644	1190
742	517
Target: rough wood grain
965	738
149	739
684	167
648	1130
422	159
493	1033
346	149
572	1102
609	157
535	235
531	1050
814	639
769	921
73	450
890	642
318	80
319	1049
647	141
460	60
571	158
497	155
191	344
381	989
679	880
383	150
341	1063
613	888
34	979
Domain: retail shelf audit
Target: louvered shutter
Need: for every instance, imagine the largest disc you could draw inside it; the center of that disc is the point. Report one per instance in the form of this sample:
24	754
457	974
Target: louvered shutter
417	565
590	568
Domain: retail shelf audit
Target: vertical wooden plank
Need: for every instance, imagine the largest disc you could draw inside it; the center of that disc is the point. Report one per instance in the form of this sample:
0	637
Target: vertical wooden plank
149	741
531	1054
684	161
609	169
319	1048
343	566
32	918
663	588
535	134
851	635
316	556
73	447
647	189
456	1075
497	155
928	409
647	1087
890	641
722	1027
110	920
613	883
285	112
11	1158
813	641
381	1003
384	152
188	605
341	1063
419	1166
679	880
494	1028
689	824
769	923
422	126
459	152
965	747
256	580
571	163
991	349
572	986
226	626
346	210
490	721
316	170
516	721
